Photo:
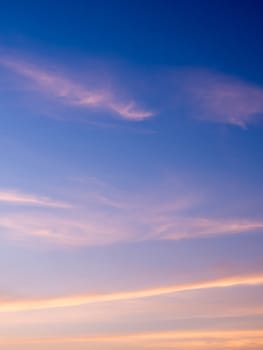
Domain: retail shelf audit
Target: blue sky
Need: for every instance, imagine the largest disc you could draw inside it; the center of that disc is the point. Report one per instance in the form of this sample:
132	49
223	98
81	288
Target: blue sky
131	175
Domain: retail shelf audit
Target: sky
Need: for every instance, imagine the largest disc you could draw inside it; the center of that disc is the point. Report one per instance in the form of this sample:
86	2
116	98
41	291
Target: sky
131	197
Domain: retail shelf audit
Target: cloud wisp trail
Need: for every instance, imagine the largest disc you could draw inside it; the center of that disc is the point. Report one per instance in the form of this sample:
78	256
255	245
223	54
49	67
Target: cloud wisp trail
217	97
203	94
78	300
20	198
72	93
189	228
100	228
186	339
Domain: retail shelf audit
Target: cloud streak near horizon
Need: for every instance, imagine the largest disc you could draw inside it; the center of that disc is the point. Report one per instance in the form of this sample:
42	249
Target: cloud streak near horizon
78	300
185	339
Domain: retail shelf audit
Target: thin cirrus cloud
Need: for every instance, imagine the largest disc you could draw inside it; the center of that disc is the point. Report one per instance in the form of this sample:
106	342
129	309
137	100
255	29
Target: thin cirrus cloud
203	94
72	93
70	230
183	339
194	305
217	97
221	304
78	300
20	198
102	228
100	218
198	227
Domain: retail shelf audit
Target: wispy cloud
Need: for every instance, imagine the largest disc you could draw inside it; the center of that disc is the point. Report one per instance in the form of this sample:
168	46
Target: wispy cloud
130	111
77	300
183	339
71	230
20	198
104	228
198	307
108	216
71	92
203	94
198	227
218	97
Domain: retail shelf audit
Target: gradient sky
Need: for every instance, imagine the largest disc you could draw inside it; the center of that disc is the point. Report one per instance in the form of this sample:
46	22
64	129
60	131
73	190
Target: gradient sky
131	197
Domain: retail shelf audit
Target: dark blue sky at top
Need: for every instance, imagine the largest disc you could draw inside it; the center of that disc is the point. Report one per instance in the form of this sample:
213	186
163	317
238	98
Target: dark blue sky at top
220	35
224	35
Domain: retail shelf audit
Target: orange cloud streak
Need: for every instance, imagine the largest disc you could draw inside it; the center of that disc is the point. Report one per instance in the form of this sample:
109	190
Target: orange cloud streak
77	300
191	339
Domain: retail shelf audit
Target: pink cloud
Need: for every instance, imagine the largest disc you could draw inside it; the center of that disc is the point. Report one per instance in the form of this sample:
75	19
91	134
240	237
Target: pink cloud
131	111
99	219
190	339
178	228
84	299
204	94
71	92
220	98
21	198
